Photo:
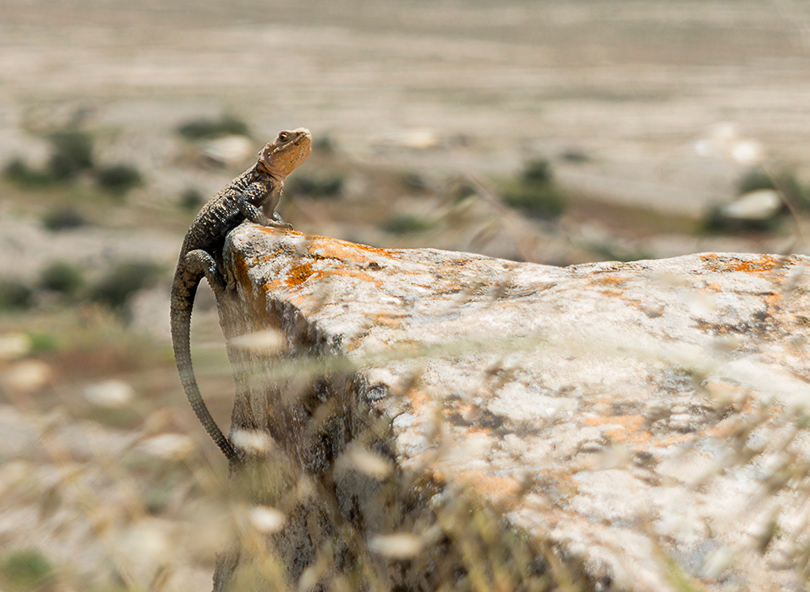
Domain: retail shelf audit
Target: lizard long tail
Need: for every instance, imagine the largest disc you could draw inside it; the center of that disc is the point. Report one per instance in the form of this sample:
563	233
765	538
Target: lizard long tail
184	288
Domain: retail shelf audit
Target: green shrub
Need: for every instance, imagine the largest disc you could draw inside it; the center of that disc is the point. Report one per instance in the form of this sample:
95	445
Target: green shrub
406	224
535	192
14	295
191	199
784	181
541	200
25	570
62	277
45	342
753	181
316	185
124	279
324	144
63	218
537	172
71	153
205	129
715	222
118	178
19	171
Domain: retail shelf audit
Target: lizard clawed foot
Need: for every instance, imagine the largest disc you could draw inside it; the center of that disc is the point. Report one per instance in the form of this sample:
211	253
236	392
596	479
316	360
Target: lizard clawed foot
279	221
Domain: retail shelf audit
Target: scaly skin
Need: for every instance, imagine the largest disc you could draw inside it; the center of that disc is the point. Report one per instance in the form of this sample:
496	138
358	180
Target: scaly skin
253	195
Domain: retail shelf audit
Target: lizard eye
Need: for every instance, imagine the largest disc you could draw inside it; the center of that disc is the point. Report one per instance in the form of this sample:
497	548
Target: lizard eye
284	136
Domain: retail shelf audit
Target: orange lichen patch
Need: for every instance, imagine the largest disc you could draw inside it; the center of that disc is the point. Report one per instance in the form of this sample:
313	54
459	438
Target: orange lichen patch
345	250
773	302
389	320
622	435
628	427
763	264
611	280
241	273
629	421
299	274
302	301
274	230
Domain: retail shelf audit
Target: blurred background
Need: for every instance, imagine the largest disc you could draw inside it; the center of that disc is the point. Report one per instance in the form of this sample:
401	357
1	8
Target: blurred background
557	133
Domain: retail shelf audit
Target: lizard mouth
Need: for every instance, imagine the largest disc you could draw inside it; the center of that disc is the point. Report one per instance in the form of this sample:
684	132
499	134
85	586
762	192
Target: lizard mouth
290	149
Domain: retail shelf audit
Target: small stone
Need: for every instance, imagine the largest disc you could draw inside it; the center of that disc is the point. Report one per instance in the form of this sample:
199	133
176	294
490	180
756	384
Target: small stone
113	394
14	346
27	376
755	206
168	446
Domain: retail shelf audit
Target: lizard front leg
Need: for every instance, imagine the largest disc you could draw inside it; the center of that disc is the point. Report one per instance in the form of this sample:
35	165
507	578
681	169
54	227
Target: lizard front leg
257	194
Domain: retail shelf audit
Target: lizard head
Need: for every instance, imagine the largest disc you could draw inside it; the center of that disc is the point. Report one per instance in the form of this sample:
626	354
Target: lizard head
281	156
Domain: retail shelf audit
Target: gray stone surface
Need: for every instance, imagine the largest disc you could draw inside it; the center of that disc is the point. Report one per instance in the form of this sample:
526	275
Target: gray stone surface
646	418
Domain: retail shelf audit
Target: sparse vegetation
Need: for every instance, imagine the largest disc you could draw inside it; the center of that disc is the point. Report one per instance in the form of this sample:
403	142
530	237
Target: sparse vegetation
25	570
118	178
206	129
14	294
63	218
714	222
316	185
785	182
324	144
191	199
538	172
20	172
42	343
535	192
63	278
754	180
124	279
406	224
71	154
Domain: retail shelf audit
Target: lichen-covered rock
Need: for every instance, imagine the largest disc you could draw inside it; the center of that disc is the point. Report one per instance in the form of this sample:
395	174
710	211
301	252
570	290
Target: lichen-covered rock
648	419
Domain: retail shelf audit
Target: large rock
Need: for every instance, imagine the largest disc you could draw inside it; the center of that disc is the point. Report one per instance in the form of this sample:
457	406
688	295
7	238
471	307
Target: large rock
647	421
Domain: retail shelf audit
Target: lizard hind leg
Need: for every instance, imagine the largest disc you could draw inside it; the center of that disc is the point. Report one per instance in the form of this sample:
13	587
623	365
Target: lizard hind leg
200	262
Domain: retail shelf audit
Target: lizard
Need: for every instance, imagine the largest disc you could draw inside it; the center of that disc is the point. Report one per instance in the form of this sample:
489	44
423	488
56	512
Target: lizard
253	195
